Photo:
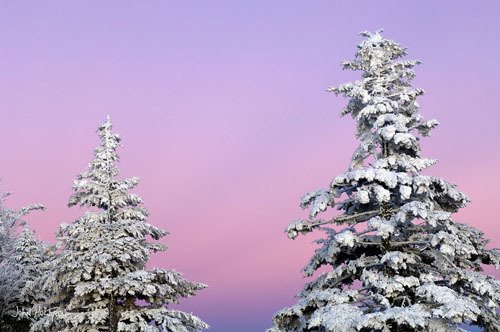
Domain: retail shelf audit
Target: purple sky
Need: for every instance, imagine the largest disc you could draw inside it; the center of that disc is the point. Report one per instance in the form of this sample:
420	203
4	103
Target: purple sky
224	116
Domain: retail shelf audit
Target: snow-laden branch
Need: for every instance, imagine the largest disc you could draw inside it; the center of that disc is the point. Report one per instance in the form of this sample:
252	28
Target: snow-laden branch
306	226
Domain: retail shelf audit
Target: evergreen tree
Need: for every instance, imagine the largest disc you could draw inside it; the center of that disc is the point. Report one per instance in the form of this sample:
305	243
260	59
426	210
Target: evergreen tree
99	282
15	266
400	263
11	224
18	272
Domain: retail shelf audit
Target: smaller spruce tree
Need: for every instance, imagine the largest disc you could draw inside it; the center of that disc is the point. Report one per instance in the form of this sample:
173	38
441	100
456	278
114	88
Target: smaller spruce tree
12	223
17	274
17	246
100	282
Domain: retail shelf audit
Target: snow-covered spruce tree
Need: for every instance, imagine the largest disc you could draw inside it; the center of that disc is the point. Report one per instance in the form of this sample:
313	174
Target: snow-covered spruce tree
100	282
11	224
18	272
11	280
400	263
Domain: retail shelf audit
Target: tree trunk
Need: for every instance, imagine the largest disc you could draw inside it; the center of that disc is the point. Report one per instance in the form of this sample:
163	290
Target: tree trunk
112	315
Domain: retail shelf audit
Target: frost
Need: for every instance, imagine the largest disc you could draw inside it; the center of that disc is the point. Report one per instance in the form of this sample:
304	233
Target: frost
388	132
453	306
346	238
405	192
318	200
385	229
398	260
375	222
388	178
389	286
381	194
296	227
427	126
340	317
415	317
407	163
406	140
363	196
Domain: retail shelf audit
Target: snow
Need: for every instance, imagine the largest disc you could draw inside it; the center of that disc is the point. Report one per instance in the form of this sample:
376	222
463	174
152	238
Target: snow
398	260
405	192
346	238
363	196
381	194
387	132
318	200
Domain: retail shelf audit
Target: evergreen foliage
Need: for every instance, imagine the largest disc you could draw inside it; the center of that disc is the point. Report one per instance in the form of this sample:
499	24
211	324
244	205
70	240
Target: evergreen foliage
400	263
99	281
19	254
18	275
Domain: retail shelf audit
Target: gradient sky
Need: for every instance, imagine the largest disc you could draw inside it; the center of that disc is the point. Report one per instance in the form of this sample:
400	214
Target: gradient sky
224	116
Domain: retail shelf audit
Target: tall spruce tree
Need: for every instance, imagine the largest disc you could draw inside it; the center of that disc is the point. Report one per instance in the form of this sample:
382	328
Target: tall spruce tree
100	282
400	263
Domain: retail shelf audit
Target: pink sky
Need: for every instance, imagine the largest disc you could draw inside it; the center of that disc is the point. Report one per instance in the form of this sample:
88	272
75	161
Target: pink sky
224	116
